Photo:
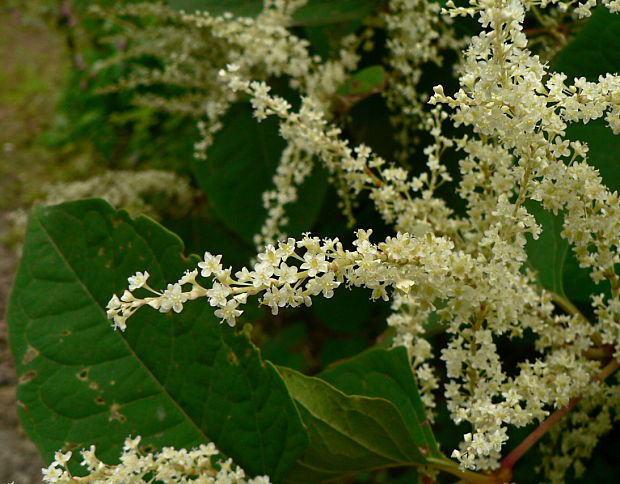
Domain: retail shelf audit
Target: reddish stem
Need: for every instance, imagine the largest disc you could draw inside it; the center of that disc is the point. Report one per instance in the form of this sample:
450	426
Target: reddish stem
510	460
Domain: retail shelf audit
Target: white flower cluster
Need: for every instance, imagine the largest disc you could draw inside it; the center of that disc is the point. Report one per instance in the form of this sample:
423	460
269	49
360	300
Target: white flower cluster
417	35
201	465
265	46
519	113
468	271
359	169
137	191
579	433
285	277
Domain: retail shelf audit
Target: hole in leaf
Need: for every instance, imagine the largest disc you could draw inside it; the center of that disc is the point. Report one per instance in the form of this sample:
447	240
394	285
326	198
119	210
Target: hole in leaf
115	414
31	354
232	358
26	377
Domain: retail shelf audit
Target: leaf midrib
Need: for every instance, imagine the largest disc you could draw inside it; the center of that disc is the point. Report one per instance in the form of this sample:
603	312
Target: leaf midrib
120	335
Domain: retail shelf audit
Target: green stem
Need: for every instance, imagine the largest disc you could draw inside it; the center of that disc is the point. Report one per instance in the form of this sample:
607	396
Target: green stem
452	467
566	305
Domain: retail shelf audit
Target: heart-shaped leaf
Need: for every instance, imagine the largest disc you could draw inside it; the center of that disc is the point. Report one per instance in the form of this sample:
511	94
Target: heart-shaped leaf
176	380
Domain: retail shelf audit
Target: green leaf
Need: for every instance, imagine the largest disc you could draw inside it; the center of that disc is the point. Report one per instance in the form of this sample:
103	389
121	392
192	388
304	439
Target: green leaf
326	39
387	374
315	12
356	432
283	347
323	12
239	168
591	53
588	55
347	311
363	83
359	86
549	252
552	258
199	232
177	380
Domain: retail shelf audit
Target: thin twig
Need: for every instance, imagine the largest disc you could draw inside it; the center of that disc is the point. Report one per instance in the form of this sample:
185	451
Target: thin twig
510	460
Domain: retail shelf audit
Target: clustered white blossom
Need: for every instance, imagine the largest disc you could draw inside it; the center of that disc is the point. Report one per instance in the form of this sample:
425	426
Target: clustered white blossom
579	433
469	271
417	35
200	465
195	46
358	169
130	189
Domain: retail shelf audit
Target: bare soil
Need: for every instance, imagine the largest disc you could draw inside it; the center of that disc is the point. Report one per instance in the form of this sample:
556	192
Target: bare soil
33	63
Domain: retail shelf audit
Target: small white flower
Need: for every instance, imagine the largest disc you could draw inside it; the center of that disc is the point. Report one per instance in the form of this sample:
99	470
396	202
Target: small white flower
114	303
138	280
229	312
287	274
173	298
210	265
188	277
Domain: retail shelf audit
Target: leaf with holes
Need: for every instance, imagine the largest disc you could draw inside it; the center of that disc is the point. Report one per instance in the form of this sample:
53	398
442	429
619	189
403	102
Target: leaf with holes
177	380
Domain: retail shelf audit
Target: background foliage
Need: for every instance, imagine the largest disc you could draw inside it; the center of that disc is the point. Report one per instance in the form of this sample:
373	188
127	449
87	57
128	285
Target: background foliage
75	377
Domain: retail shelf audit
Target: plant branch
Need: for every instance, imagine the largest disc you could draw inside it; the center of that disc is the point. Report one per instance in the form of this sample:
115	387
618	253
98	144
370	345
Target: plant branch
510	460
469	477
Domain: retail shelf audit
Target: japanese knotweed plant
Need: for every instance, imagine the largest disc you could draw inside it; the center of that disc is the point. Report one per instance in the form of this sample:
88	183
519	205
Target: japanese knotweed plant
496	245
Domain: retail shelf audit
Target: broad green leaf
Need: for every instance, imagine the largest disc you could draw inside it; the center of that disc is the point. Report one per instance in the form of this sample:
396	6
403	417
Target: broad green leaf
589	55
176	379
326	39
347	311
348	433
315	12
240	167
552	258
336	349
283	347
593	52
200	232
387	374
323	12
